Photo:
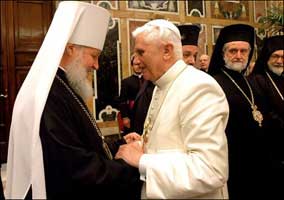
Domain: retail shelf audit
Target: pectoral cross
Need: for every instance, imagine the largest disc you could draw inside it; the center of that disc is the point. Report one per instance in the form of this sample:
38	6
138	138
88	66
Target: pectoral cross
257	116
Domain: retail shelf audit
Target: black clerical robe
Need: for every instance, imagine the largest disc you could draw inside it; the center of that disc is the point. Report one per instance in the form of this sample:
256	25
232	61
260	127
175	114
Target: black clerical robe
75	164
129	89
275	127
141	105
246	140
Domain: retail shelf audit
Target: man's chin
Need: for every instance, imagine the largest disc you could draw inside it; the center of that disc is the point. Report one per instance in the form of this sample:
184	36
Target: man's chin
146	76
238	66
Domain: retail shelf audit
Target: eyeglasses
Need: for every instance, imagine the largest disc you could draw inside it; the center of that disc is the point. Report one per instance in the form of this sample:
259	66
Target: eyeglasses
276	57
234	51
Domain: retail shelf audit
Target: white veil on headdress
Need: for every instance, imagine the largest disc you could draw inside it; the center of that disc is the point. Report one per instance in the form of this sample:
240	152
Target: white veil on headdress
75	22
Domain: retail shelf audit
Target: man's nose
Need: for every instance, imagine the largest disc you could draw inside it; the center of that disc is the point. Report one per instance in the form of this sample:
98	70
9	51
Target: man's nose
238	54
191	60
95	65
136	60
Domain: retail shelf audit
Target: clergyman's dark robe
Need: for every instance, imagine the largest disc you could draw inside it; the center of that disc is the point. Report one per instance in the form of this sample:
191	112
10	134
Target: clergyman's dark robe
129	89
141	105
247	154
75	164
275	137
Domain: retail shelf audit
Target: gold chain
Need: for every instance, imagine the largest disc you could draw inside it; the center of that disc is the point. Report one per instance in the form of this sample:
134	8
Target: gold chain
275	86
257	116
250	90
105	146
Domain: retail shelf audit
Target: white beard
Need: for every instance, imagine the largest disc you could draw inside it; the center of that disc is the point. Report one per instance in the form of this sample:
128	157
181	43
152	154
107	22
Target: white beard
77	77
276	70
237	66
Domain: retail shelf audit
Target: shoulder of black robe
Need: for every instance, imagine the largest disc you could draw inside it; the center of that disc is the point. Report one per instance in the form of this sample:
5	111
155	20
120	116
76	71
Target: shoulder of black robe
74	161
129	89
141	105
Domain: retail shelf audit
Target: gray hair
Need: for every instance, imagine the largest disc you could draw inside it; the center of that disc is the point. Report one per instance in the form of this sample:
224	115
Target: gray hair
163	30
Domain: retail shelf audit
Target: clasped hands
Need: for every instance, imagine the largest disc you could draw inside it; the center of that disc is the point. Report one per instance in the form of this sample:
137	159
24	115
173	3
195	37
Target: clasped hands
132	151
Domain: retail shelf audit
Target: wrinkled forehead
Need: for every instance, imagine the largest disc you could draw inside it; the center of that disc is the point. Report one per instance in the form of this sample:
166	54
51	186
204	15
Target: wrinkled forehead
237	44
204	57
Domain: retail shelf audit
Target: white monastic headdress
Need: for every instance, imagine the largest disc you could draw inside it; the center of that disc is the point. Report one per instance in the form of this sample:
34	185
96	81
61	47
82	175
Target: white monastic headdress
75	22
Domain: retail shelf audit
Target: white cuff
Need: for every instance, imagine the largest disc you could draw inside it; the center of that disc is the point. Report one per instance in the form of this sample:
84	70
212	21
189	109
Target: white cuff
142	167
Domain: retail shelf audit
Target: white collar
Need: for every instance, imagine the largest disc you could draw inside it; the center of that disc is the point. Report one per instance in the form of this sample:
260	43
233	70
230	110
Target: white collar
171	74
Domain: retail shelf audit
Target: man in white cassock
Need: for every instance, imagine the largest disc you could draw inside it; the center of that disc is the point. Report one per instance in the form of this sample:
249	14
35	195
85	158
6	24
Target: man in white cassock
183	150
56	150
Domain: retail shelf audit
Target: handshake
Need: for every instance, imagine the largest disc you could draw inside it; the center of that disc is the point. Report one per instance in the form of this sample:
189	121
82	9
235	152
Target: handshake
132	151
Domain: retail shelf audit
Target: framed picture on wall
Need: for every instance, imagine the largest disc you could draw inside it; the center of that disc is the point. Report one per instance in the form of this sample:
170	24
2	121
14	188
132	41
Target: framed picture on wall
234	10
195	8
110	5
215	32
152	5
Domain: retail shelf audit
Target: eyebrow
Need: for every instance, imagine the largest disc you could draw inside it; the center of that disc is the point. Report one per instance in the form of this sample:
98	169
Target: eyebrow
139	51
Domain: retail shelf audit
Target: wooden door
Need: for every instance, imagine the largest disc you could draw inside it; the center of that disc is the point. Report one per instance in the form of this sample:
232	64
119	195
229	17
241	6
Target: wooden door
23	27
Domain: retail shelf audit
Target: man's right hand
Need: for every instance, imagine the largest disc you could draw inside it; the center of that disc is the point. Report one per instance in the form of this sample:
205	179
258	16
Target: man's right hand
132	137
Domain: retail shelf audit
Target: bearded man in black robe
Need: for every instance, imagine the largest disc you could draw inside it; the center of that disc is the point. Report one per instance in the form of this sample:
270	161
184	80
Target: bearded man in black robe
268	79
56	150
245	129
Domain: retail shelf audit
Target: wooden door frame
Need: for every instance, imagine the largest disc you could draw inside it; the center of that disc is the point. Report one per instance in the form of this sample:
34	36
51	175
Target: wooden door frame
6	91
8	79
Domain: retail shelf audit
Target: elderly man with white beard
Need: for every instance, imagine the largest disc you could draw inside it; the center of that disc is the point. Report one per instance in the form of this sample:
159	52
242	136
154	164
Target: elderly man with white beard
56	150
245	129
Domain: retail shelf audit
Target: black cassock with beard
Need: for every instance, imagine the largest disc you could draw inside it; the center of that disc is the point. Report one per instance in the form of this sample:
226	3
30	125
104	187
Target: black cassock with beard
75	162
248	172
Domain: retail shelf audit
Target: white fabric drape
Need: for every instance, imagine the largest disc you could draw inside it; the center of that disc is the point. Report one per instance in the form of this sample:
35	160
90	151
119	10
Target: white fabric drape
25	159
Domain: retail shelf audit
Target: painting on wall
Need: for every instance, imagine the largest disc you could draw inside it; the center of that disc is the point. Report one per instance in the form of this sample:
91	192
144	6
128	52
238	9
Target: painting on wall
274	3
215	32
236	10
109	5
151	5
106	79
195	8
202	42
202	39
259	10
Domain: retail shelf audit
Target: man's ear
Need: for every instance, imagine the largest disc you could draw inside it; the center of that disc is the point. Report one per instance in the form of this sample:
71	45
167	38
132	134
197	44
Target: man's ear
70	48
168	50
